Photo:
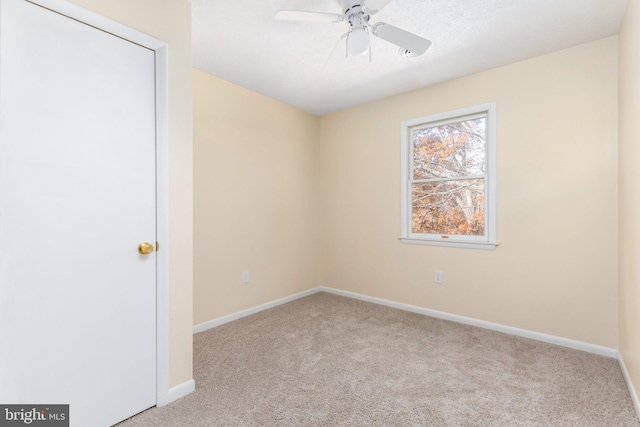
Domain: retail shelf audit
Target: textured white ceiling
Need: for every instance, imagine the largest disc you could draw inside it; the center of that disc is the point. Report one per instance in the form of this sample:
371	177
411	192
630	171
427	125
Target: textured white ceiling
240	41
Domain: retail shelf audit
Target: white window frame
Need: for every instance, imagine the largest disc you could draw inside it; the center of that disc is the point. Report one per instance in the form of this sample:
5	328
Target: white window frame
486	241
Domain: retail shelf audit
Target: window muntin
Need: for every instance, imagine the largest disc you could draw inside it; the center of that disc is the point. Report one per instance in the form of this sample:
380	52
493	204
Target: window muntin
448	181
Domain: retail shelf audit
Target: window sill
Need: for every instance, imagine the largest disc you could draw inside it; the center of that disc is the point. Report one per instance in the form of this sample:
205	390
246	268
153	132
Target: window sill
451	244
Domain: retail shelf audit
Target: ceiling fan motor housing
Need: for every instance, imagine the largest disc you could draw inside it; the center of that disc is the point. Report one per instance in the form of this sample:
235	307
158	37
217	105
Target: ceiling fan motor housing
355	13
350	7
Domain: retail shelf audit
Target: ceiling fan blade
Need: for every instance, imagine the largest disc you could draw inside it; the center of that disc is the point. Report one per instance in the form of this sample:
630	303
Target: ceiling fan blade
296	15
402	38
375	6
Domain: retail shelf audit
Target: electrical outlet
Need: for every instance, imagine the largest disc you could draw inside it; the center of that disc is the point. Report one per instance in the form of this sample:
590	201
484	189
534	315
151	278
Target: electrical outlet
245	276
437	277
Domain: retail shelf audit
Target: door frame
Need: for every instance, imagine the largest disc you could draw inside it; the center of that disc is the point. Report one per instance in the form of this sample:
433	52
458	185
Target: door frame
160	48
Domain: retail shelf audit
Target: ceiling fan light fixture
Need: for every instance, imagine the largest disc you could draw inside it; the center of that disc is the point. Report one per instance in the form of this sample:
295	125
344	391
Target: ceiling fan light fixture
358	42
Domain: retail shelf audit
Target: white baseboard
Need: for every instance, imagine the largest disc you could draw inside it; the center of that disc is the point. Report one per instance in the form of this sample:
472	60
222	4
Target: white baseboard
179	391
627	379
253	310
551	339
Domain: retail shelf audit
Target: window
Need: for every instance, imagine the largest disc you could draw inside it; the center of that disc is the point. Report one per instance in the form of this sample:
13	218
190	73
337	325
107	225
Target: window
448	179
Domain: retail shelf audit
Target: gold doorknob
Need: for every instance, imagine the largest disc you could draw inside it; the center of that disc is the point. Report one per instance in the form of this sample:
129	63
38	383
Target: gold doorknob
145	248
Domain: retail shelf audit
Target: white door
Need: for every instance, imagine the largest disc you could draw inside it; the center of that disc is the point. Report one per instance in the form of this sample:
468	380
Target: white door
77	197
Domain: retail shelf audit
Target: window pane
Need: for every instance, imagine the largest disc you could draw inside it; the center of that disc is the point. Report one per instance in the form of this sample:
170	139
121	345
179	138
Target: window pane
449	151
448	207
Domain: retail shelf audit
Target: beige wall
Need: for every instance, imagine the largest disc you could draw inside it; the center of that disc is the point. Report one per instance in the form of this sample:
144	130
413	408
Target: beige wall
256	166
555	270
629	246
170	21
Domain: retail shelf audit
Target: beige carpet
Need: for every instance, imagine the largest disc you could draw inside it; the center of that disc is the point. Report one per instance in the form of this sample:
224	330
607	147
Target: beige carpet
326	360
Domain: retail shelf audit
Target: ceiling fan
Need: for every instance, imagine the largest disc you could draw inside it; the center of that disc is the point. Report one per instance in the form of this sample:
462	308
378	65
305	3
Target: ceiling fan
357	13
